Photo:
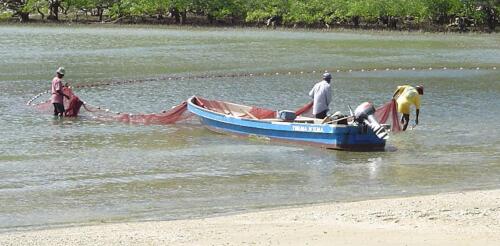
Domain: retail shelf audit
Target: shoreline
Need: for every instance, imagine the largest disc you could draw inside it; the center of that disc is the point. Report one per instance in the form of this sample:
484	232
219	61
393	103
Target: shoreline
463	218
193	26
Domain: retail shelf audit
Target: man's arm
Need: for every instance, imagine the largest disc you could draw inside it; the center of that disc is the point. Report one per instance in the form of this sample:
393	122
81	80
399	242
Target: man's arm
60	90
328	96
416	118
397	93
311	93
417	106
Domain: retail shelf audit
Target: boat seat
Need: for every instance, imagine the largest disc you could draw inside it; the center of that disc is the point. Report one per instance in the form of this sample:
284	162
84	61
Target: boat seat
299	119
273	120
310	120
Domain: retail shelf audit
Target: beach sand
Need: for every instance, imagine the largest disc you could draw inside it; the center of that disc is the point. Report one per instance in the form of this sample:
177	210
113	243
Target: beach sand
466	218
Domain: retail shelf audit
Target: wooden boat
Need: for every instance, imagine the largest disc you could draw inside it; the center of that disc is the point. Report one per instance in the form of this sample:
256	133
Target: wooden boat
226	117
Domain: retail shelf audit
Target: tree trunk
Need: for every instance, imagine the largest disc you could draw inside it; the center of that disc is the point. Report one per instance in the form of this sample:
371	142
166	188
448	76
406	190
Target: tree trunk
385	20
491	18
24	17
183	17
175	13
100	11
492	25
41	13
355	20
393	23
210	19
54	10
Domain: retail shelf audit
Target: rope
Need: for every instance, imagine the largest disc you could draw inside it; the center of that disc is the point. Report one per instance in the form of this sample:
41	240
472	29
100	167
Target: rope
263	74
30	102
236	75
92	108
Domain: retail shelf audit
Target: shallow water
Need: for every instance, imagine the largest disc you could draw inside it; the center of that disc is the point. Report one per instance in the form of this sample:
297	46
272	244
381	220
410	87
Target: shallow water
72	171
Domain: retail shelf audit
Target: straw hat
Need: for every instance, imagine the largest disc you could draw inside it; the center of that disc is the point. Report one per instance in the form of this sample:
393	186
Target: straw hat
61	70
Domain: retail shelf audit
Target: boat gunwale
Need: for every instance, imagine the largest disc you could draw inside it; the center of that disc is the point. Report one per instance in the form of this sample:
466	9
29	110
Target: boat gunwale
190	101
333	130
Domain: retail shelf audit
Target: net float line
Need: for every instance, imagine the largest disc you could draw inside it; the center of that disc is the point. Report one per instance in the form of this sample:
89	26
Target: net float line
176	113
261	74
89	107
264	74
30	102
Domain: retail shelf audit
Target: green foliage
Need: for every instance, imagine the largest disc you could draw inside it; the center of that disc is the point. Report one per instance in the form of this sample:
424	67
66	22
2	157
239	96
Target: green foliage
439	10
288	12
260	10
5	15
34	6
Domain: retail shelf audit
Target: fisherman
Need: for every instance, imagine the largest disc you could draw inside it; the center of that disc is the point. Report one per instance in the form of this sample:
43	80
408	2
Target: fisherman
405	96
57	93
322	96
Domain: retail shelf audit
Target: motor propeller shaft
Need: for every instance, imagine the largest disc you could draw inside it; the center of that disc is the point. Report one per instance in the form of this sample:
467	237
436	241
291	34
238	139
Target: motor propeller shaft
364	114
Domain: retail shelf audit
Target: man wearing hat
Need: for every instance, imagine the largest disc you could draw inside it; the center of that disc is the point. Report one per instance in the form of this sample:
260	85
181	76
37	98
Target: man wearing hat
57	93
405	96
322	96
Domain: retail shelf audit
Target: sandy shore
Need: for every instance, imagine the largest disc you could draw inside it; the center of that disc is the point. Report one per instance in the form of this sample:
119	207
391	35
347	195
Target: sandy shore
468	218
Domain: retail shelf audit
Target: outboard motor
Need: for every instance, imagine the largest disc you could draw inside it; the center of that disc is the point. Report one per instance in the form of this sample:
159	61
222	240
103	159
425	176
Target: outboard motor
364	114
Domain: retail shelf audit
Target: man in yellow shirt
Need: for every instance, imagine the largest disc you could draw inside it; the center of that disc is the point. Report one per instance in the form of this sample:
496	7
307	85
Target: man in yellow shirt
405	96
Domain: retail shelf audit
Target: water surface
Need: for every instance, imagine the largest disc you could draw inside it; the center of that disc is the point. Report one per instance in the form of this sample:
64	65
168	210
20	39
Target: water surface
60	172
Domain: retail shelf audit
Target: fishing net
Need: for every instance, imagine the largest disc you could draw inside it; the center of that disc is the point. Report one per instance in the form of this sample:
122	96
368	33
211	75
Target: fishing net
45	106
174	115
235	109
244	111
305	110
72	105
171	116
386	112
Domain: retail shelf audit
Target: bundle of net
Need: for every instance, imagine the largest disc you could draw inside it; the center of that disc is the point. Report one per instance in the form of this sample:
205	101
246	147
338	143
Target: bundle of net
387	112
72	105
242	111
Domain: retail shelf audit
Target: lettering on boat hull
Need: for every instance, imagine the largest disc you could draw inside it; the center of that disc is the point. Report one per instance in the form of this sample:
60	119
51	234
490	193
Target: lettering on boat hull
307	129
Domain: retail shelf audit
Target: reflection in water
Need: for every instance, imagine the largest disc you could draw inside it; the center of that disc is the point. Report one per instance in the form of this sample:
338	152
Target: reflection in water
373	167
59	171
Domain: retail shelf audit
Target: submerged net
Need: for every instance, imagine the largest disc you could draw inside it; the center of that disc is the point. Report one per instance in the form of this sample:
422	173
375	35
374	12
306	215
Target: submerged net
171	116
386	112
73	105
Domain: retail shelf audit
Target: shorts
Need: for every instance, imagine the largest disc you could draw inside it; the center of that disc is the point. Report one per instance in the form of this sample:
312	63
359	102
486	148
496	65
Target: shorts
321	115
58	108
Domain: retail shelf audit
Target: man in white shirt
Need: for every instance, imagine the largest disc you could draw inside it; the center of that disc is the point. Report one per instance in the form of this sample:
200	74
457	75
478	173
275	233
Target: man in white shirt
322	96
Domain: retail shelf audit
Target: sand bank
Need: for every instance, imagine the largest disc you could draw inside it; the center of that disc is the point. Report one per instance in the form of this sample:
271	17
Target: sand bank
467	218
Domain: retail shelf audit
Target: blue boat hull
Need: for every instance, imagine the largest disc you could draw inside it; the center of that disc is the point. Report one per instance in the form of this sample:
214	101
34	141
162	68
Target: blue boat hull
345	137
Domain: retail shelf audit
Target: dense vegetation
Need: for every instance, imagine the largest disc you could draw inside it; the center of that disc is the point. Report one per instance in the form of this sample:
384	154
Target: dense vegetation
394	14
